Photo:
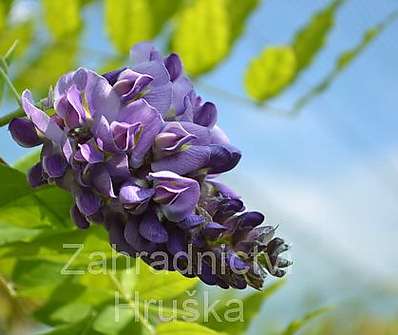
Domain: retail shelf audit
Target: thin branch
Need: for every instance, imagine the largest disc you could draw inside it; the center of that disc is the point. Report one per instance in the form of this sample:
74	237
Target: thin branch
6	119
131	303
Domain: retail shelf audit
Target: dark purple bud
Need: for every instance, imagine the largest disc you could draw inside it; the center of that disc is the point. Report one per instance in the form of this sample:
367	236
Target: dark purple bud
113	75
174	66
78	218
24	132
223	158
35	175
206	116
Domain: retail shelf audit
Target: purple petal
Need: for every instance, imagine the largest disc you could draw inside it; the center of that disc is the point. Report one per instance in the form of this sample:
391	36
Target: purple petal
24	132
193	158
131	194
218	136
41	120
223	158
124	134
191	222
104	136
174	66
113	75
184	194
144	52
224	190
78	218
54	165
116	236
151	229
67	150
182	87
176	241
140	112
102	180
87	202
118	166
74	97
213	230
250	220
206	116
90	153
134	238
35	175
160	97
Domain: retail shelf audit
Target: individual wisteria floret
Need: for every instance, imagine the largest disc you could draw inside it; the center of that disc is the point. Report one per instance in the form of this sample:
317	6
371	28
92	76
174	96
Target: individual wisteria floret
140	153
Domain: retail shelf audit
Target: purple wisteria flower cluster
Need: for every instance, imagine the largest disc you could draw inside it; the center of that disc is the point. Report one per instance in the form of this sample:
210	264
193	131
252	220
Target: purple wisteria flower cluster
140	151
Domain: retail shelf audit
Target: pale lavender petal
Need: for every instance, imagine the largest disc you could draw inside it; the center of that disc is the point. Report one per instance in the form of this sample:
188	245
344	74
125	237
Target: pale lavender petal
144	52
218	136
160	97
140	112
185	194
90	152
130	193
41	120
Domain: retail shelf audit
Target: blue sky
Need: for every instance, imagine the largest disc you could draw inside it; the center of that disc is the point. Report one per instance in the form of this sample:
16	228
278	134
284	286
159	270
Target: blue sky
328	177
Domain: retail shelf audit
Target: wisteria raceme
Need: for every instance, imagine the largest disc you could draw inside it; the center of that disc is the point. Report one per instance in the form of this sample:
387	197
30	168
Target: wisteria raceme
140	153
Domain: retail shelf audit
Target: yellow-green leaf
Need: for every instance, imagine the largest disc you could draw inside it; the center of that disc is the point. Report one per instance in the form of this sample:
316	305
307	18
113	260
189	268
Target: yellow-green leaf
44	71
271	72
62	17
129	22
296	325
151	284
202	35
238	12
183	328
309	40
23	32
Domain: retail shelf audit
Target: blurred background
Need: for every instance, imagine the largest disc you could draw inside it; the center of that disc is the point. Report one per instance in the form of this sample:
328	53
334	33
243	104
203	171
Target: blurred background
308	90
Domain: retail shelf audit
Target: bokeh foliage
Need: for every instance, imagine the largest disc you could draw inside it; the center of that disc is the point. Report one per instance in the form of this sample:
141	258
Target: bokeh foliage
35	223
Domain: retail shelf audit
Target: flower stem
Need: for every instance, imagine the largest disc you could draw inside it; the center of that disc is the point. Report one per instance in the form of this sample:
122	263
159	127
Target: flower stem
6	119
10	84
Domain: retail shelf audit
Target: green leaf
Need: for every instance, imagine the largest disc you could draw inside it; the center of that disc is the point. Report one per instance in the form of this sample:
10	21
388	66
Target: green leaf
309	40
112	320
238	13
128	22
204	22
79	328
45	69
270	72
152	284
13	185
251	307
62	17
183	328
23	32
344	60
296	325
25	163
